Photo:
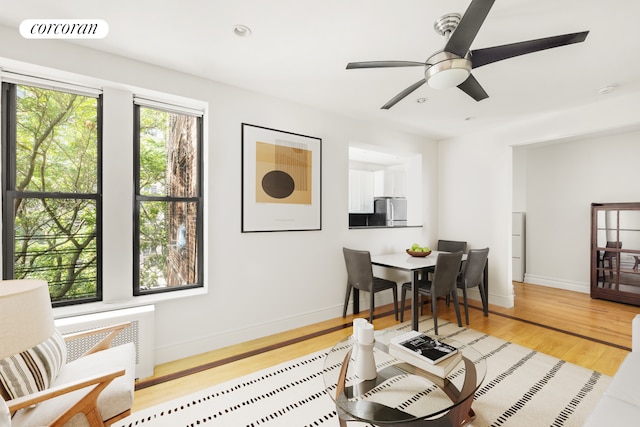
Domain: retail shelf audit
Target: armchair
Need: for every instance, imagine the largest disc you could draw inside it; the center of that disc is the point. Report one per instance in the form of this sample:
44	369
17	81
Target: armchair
93	390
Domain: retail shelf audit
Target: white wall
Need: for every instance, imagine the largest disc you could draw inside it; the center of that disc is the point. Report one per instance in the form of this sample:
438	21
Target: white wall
563	180
259	283
476	179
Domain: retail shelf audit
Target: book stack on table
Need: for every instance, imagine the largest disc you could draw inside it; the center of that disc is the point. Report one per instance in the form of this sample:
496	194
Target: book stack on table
425	352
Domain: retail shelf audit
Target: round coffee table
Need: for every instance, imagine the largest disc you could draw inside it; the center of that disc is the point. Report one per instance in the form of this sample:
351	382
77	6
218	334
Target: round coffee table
402	394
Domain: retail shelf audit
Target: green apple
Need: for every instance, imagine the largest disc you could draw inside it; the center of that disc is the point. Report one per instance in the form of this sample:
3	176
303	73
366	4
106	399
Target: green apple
415	246
426	249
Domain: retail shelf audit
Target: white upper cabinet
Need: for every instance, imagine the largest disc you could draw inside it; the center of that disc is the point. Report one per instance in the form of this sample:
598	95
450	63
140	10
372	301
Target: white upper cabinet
361	183
391	182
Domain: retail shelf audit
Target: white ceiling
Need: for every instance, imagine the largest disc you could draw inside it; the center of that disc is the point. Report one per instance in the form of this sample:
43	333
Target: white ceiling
299	49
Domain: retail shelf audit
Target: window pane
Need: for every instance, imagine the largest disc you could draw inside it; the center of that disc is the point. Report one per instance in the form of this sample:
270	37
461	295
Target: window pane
168	244
55	240
55	234
168	154
56	141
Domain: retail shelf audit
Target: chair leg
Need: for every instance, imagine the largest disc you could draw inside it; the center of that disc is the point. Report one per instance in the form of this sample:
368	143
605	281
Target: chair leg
403	298
466	304
395	301
346	300
372	304
457	306
483	298
434	310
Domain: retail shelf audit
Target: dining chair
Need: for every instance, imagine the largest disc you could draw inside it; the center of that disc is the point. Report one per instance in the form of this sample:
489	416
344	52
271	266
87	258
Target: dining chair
612	258
447	246
360	277
452	246
472	276
444	283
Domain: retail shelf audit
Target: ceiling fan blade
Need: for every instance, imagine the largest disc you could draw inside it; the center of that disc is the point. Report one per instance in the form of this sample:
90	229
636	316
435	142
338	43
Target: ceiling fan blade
382	64
399	97
480	57
472	88
462	37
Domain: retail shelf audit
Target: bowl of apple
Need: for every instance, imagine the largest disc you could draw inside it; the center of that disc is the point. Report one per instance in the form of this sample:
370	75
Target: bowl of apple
419	251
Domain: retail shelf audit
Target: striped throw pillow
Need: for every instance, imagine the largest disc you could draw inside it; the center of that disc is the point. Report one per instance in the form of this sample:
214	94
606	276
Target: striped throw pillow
34	369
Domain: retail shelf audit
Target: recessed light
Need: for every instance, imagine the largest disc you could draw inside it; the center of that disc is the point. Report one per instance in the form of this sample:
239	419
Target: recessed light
606	89
242	30
421	100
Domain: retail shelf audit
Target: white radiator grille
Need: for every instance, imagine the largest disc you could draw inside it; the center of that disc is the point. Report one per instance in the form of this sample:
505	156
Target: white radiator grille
140	333
77	348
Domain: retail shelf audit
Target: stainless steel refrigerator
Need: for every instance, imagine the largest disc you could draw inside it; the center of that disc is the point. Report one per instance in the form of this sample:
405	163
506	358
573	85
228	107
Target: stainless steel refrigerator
391	211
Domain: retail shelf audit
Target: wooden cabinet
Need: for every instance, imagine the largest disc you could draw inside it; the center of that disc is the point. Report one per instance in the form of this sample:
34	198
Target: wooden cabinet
615	252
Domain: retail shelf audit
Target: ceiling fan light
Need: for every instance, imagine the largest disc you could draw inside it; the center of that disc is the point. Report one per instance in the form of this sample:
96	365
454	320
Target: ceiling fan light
448	71
449	78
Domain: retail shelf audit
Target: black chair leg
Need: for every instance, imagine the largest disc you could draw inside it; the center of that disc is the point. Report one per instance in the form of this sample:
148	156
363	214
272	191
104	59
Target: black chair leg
466	304
395	301
346	300
457	307
434	310
372	304
483	298
403	298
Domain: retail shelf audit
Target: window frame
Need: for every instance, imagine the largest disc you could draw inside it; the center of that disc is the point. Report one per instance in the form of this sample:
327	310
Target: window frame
139	198
9	194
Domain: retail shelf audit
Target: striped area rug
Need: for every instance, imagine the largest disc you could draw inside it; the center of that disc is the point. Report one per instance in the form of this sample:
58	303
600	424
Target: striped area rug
522	388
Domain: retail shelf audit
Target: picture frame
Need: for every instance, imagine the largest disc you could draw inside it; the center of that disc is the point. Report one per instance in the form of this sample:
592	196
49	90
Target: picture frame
281	180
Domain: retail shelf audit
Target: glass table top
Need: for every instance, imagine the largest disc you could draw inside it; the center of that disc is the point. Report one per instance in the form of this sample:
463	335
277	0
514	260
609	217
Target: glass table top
401	392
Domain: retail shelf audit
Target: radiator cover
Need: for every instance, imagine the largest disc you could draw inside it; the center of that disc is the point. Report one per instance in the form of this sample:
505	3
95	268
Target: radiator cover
140	333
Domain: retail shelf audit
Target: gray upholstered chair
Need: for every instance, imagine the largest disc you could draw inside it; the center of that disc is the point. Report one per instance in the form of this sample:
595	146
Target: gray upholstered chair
452	246
360	278
444	283
448	246
472	276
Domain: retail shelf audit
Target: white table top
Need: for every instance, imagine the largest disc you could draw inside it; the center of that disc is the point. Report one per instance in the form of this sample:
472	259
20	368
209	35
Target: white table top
404	261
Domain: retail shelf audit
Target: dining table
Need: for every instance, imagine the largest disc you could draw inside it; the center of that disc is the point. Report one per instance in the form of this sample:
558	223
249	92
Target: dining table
417	265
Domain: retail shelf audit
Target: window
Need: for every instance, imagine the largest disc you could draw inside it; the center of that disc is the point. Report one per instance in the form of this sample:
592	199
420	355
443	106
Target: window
168	202
51	142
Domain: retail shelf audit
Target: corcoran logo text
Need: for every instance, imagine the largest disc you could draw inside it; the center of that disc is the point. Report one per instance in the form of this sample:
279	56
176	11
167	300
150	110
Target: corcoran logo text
64	29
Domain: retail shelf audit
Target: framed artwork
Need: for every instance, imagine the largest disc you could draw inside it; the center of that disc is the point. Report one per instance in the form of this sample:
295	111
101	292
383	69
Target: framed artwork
281	180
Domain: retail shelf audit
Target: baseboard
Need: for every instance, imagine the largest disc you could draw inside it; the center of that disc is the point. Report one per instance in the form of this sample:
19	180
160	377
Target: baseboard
229	337
506	301
553	282
182	349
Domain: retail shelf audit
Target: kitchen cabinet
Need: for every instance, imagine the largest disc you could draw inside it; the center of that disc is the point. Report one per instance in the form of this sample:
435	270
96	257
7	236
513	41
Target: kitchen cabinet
615	252
361	193
391	182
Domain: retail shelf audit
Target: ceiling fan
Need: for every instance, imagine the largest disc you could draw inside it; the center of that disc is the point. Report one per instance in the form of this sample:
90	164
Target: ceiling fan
452	65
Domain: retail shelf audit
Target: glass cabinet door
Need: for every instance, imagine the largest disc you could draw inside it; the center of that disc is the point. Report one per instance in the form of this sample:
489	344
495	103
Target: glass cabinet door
615	252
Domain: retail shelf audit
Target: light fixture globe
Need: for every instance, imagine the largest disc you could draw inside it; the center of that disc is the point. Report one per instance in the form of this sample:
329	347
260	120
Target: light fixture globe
447	70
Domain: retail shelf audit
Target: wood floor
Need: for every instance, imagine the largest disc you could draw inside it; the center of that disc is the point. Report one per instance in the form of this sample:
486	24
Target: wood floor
592	333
